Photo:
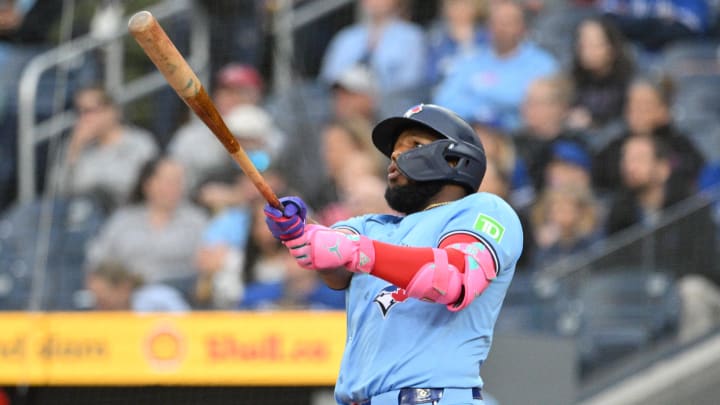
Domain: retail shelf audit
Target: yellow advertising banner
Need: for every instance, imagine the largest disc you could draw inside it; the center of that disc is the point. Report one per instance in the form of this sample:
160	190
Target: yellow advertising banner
200	348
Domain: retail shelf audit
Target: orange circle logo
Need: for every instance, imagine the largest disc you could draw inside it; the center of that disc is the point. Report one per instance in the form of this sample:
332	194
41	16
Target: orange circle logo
165	348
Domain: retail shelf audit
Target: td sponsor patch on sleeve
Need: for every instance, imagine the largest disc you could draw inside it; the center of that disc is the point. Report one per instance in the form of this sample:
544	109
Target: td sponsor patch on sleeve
489	226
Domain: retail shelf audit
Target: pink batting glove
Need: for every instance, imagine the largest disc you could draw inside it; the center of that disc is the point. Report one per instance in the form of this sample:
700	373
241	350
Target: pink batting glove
322	248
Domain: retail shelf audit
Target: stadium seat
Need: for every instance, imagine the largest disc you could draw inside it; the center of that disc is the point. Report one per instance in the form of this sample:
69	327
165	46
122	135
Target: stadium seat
554	30
703	128
61	228
537	307
691	59
623	310
697	98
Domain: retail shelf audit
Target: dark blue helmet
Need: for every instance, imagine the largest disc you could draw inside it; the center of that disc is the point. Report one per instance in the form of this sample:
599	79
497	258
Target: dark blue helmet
430	162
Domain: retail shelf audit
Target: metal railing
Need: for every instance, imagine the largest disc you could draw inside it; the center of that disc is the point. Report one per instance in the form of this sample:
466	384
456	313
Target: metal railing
287	20
639	248
579	262
31	132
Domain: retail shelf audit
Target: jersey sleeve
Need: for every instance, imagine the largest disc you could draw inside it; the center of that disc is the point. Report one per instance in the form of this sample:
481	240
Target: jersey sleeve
494	223
354	225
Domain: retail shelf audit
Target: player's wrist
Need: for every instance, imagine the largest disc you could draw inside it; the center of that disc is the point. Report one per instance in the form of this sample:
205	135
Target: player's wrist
362	259
322	248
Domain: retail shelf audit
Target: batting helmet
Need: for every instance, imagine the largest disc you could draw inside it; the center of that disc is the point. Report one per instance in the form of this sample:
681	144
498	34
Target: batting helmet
430	162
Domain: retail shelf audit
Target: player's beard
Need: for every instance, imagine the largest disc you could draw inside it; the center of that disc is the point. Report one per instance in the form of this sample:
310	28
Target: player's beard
412	197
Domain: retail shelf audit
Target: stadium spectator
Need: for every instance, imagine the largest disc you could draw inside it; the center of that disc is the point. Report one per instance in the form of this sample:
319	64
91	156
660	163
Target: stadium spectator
601	71
686	248
648	114
497	181
156	235
255	130
237	84
499	146
115	288
458	32
565	220
495	79
221	256
653	24
299	289
261	259
354	94
27	29
569	165
700	307
195	146
393	48
103	154
544	114
362	192
236	31
367	195
346	146
648	186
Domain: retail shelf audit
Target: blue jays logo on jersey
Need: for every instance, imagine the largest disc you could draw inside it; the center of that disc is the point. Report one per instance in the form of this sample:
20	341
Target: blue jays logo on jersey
388	297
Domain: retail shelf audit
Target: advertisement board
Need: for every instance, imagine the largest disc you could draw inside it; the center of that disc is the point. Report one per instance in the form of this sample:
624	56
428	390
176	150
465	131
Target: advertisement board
200	348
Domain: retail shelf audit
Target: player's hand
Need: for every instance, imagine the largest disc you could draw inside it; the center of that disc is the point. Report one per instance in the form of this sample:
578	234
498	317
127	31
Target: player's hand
289	223
322	248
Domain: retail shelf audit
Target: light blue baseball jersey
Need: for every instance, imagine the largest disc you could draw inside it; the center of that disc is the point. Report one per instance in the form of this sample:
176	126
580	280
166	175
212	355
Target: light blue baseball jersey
396	342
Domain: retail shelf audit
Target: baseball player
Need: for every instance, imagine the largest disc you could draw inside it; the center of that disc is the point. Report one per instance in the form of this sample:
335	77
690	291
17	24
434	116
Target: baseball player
423	289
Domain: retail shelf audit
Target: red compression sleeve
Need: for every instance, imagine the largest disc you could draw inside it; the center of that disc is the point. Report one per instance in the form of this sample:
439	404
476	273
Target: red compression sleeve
398	264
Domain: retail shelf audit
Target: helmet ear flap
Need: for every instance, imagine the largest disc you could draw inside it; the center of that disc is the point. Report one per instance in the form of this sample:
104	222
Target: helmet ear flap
432	162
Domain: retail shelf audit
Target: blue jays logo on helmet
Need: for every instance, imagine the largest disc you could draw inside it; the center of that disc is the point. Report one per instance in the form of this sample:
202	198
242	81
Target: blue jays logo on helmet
457	142
388	297
413	110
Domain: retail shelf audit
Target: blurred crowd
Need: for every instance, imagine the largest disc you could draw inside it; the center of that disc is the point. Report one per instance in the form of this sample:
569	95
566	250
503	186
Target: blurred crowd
580	130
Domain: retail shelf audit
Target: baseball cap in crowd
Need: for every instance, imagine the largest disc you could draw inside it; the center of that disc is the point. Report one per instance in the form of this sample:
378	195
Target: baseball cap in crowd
357	79
236	75
486	119
249	122
255	129
571	152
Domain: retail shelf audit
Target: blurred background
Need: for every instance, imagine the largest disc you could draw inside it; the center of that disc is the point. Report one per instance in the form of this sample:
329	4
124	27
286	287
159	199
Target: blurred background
135	265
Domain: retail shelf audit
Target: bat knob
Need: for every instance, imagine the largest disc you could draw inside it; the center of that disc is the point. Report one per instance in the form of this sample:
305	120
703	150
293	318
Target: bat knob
141	21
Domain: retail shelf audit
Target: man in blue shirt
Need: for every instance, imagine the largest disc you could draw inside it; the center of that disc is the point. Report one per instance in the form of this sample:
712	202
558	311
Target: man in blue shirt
496	77
423	289
392	48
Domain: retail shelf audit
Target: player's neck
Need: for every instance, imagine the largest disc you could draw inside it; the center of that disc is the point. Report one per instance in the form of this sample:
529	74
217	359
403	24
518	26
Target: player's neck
446	195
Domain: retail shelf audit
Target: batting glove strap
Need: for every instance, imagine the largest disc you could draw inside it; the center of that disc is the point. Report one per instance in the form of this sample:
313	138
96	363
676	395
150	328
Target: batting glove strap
437	281
441	282
322	248
284	228
480	271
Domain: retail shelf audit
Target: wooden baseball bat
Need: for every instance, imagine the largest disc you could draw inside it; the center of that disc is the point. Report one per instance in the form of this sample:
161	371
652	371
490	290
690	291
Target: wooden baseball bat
160	49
